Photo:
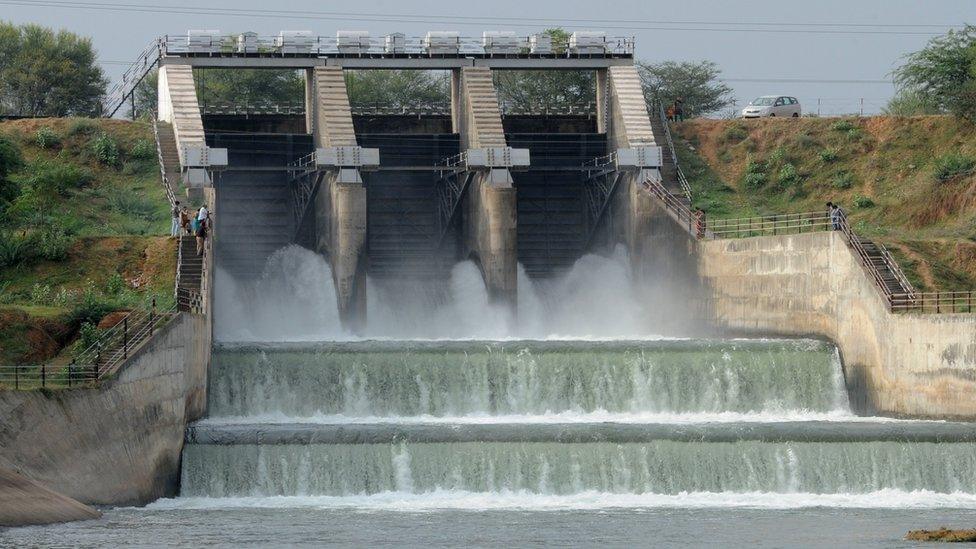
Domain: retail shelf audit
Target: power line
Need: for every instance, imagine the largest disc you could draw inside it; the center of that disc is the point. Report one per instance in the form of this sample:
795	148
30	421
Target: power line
610	24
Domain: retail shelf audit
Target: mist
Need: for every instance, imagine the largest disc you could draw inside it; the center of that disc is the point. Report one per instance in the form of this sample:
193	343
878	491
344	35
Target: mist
295	300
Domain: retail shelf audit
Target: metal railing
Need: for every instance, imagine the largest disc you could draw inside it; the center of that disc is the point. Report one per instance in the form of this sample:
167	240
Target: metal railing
769	225
252	109
164	177
881	267
682	180
311	45
100	359
132	76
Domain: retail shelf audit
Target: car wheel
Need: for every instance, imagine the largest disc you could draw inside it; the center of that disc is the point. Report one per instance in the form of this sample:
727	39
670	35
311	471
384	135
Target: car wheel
772	115
796	115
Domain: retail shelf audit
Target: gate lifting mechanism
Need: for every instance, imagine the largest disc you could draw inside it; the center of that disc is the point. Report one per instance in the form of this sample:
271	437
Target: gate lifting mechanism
199	163
604	173
307	172
457	172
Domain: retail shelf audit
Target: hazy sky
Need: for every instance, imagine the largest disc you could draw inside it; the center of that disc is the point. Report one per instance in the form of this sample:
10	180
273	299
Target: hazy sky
826	50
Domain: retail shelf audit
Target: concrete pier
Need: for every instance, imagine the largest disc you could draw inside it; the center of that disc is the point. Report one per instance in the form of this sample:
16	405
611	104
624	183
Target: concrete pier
489	231
340	205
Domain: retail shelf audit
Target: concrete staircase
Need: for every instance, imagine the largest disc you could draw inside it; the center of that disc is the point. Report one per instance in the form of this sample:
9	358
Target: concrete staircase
482	110
333	118
626	91
891	278
191	266
179	106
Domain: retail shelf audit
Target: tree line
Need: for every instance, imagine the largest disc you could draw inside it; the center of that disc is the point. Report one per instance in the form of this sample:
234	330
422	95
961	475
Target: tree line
55	73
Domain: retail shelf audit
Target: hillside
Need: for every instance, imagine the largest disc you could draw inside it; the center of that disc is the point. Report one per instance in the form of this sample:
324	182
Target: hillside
83	225
906	182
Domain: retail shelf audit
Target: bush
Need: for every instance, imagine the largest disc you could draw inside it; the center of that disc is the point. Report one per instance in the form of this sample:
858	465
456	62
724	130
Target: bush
53	243
778	155
46	138
734	133
951	165
754	180
91	308
862	202
87	335
844	181
49	177
115	284
82	126
133	206
853	134
788	175
14	250
106	150
828	155
143	150
40	294
843	125
755	166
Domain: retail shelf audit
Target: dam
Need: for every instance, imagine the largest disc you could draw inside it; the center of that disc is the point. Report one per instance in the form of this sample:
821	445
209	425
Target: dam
469	324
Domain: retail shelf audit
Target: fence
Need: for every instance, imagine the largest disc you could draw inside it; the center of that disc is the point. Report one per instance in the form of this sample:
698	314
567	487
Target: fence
769	225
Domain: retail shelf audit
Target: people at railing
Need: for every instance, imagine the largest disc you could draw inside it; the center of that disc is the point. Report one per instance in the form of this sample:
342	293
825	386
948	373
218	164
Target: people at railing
836	215
185	220
176	222
700	223
203	226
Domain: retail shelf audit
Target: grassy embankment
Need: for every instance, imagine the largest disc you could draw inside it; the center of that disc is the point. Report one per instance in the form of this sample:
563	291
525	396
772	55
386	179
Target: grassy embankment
81	233
907	182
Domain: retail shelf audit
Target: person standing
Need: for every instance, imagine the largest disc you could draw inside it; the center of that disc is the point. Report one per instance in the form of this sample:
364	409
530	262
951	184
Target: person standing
174	228
203	222
679	110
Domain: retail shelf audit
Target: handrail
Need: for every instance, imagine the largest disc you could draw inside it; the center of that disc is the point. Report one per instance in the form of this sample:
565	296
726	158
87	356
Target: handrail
132	76
909	300
170	194
682	180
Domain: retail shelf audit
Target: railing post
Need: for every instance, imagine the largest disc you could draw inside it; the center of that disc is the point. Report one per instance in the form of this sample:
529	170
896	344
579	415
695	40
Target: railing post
125	337
43	376
16	377
152	314
69	374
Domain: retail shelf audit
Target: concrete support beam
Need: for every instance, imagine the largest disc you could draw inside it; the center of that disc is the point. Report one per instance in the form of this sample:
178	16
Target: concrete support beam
340	205
489	208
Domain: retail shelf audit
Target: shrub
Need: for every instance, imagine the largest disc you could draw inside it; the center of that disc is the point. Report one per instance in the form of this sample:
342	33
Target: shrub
778	155
843	125
788	175
805	140
14	249
132	205
734	133
40	294
829	155
46	138
143	150
862	202
853	134
53	243
106	149
82	126
87	335
844	181
115	284
50	177
755	166
90	308
754	180
953	165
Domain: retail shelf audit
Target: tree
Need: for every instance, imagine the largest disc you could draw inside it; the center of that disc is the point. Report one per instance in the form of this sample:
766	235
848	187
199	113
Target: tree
397	88
10	161
944	72
911	103
541	90
249	86
696	83
43	73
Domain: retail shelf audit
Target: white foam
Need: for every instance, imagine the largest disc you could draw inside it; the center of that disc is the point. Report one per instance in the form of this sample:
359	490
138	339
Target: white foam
450	499
600	416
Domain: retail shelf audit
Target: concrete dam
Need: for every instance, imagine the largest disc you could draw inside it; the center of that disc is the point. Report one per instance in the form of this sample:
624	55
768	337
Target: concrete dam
501	325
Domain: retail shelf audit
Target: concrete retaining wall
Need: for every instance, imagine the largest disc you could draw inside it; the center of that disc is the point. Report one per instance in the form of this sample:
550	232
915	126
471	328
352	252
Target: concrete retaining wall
813	285
119	443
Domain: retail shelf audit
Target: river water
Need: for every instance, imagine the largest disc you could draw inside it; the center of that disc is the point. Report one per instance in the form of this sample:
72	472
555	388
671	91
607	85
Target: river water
504	441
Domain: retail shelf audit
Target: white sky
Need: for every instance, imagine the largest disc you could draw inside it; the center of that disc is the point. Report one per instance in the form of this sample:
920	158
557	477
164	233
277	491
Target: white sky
845	53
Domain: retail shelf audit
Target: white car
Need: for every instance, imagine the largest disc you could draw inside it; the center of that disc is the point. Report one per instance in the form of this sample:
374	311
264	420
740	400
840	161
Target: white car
772	105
